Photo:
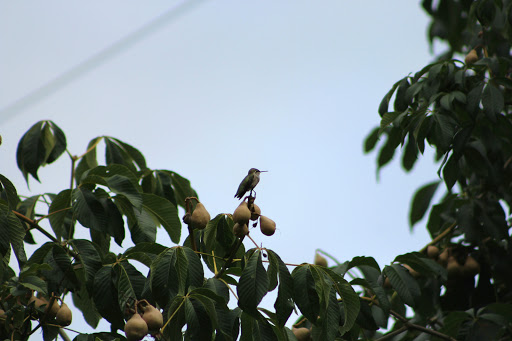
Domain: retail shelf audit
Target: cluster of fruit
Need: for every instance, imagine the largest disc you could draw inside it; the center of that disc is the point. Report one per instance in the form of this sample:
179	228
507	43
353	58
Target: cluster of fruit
139	325
61	313
246	211
456	260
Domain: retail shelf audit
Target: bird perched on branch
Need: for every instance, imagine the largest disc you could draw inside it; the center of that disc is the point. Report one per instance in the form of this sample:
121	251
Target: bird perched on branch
248	183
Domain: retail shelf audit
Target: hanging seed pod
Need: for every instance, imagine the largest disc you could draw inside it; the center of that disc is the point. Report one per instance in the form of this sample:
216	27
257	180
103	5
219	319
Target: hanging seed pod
136	328
302	333
64	315
267	226
153	318
200	217
471	57
240	230
255	212
242	214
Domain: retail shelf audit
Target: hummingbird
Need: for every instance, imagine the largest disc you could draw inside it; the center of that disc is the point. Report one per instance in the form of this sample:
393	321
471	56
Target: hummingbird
249	182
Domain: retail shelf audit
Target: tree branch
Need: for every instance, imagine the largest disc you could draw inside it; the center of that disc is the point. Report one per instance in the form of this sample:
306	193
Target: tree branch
33	224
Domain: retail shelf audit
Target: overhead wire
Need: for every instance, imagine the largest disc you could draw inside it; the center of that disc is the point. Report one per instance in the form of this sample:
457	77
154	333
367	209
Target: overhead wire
97	59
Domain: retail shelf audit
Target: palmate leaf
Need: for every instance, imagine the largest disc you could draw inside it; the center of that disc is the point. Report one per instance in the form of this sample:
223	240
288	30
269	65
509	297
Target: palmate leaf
253	283
144	252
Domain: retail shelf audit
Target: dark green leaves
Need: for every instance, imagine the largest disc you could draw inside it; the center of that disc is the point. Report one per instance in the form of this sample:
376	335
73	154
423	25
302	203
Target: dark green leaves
421	202
253	284
42	144
12	233
173	272
405	285
492	101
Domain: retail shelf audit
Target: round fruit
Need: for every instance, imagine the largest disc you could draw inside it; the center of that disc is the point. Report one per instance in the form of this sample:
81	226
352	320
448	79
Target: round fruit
240	230
37	301
242	214
302	333
136	328
443	257
471	267
320	260
267	226
453	267
64	315
471	57
255	212
153	318
432	252
200	217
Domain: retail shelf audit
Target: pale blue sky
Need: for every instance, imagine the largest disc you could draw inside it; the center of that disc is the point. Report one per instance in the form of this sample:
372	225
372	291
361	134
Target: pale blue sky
291	87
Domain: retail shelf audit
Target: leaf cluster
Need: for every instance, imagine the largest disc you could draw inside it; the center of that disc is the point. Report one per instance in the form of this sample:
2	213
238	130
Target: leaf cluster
462	109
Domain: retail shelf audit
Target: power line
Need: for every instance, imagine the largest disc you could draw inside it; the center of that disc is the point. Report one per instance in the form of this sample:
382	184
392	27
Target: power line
97	59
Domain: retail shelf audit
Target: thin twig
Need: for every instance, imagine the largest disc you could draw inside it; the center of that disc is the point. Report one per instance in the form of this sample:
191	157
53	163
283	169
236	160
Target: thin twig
439	237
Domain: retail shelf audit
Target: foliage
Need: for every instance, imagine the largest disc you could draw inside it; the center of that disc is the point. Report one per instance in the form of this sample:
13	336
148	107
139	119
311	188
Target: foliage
462	110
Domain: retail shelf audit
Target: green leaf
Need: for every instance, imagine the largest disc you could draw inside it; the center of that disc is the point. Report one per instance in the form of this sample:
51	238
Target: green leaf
253	284
34	283
134	154
165	213
88	256
305	294
163	277
404	284
384	104
42	144
422	264
451	171
284	303
371	140
349	299
453	321
144	252
492	101
182	188
60	214
359	261
126	290
89	210
8	191
421	202
15	234
198	322
85	304
106	296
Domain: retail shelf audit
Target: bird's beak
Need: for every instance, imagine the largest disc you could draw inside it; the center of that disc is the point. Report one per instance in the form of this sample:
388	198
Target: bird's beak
263	171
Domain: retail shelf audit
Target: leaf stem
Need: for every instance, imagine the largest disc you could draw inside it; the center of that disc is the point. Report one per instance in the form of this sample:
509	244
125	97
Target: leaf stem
174	313
440	236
